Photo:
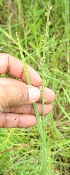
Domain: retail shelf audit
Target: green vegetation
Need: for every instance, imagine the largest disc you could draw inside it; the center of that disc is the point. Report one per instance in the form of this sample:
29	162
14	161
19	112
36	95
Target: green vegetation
43	31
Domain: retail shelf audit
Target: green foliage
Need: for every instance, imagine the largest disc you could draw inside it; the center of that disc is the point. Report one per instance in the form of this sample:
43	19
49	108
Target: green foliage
42	41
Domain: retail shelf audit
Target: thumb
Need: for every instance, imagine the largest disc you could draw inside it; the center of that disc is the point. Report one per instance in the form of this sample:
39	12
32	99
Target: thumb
14	96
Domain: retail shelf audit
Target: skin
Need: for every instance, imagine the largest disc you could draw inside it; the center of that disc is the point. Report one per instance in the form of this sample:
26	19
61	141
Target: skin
16	111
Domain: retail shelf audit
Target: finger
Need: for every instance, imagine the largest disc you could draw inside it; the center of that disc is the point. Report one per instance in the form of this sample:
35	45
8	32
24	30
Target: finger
28	109
9	120
14	66
13	95
11	81
49	95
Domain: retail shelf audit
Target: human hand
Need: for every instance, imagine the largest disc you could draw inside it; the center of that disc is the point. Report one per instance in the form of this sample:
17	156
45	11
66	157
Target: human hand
16	97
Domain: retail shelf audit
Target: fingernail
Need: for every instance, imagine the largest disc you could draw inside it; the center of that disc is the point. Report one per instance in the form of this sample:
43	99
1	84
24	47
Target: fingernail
34	94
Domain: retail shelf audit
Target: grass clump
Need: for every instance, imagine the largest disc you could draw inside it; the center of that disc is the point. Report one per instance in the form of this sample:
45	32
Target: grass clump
43	31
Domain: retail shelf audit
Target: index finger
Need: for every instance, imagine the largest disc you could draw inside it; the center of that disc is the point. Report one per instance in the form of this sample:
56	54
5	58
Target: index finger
13	66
